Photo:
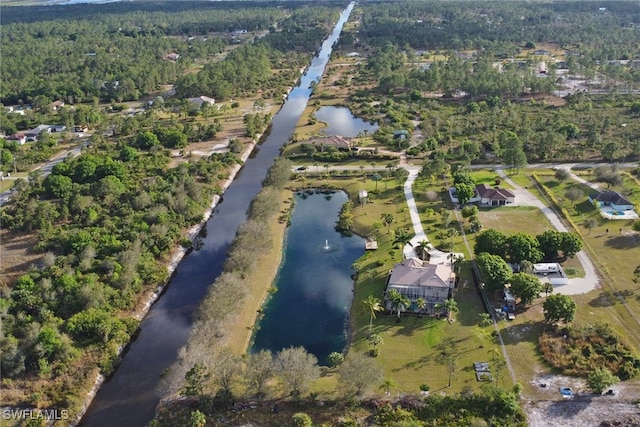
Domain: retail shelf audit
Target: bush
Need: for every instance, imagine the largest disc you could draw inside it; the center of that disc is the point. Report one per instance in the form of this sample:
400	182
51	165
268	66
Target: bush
301	419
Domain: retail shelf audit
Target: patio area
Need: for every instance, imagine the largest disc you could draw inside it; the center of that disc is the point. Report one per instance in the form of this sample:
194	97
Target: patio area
610	213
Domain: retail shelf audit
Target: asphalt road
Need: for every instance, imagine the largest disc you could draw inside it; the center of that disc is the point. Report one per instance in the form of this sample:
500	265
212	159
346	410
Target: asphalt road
47	167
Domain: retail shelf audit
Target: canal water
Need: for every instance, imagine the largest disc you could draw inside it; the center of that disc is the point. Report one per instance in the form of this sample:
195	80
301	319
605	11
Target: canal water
130	396
314	283
341	121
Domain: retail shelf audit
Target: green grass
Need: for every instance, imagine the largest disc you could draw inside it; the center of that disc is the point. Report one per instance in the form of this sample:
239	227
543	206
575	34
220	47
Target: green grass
510	220
486	176
615	249
411	348
7	184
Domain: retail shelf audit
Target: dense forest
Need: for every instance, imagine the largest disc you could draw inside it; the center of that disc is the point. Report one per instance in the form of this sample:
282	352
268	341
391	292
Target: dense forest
125	50
256	67
503	28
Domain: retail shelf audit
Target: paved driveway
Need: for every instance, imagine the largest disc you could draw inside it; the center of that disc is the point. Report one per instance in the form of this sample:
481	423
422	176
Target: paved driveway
577	285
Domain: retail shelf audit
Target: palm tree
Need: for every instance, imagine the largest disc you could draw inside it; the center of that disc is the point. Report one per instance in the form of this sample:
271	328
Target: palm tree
422	248
456	262
390	166
451	306
498	365
484	320
387	385
399	301
372	305
402	238
452	367
421	304
376	177
387	219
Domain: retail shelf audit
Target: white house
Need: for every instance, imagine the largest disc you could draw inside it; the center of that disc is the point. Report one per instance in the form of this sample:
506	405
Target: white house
494	196
415	279
15	110
18	137
199	101
32	134
487	196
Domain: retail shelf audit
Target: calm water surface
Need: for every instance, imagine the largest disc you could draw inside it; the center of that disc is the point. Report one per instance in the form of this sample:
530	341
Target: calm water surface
315	288
340	121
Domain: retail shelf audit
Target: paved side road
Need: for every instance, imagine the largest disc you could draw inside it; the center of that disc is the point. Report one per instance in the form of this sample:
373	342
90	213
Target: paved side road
578	285
48	166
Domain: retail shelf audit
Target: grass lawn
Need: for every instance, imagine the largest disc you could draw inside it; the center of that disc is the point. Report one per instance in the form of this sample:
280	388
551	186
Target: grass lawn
487	176
615	249
521	342
510	219
412	348
7	183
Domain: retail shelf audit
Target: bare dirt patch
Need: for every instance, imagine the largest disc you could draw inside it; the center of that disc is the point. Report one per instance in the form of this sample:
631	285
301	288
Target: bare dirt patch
584	409
16	255
583	412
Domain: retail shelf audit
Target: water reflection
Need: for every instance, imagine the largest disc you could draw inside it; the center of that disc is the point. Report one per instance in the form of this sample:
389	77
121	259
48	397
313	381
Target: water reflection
340	121
314	283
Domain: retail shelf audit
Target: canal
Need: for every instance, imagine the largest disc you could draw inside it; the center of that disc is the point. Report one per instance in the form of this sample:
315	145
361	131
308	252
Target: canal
130	396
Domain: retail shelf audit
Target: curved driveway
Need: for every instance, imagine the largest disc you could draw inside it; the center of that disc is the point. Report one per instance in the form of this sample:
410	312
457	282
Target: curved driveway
578	285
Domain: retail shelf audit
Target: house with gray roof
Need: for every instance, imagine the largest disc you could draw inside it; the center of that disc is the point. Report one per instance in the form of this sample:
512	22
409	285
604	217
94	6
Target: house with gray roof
613	199
415	279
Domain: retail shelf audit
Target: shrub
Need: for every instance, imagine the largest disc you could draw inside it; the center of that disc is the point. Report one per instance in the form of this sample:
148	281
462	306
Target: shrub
301	419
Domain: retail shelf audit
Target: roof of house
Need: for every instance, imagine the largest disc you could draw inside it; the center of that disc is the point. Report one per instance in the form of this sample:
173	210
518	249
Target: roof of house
612	197
494	193
201	100
36	130
334	141
412	272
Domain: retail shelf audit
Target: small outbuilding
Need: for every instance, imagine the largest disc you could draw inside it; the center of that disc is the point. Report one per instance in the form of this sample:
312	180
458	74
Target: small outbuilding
363	196
401	134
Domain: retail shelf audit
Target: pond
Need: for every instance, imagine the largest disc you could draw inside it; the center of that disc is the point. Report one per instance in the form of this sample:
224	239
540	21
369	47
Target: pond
314	285
340	121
